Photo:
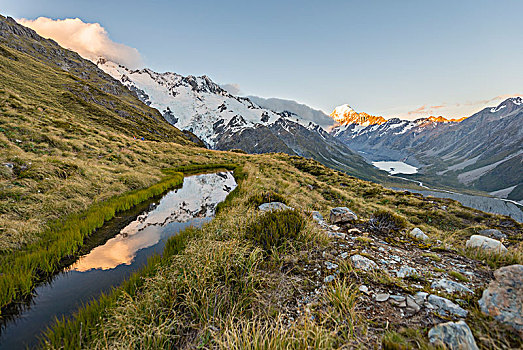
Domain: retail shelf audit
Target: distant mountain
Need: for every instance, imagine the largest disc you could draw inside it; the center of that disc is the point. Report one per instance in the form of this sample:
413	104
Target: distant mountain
305	112
483	151
224	121
345	115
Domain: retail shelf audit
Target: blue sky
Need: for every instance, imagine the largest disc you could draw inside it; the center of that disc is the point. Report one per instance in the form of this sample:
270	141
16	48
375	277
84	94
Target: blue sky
381	57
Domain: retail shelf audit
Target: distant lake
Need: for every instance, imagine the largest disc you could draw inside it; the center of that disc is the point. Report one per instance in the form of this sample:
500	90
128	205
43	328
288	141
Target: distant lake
395	167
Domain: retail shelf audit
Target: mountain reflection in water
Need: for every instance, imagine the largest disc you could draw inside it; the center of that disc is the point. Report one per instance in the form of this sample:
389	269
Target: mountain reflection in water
197	199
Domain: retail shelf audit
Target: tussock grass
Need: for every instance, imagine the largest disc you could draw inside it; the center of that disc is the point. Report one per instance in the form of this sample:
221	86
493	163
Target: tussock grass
266	197
274	229
386	222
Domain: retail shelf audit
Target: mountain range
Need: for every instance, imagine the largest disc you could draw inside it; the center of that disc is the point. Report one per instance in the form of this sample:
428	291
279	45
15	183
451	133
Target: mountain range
224	121
483	151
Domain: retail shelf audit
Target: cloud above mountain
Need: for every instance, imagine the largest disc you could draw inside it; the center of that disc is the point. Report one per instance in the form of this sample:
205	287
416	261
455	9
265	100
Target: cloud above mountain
233	89
456	110
90	40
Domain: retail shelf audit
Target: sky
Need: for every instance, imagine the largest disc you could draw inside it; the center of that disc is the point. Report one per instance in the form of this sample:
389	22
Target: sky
408	58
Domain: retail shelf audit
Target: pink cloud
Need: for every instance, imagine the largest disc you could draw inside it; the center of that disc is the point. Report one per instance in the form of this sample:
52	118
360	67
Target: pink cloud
90	40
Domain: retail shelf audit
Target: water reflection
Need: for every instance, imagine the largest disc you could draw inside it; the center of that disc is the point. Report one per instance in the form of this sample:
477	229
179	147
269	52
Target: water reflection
196	199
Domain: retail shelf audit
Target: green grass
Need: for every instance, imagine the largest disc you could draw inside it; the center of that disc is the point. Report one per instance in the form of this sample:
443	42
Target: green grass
22	269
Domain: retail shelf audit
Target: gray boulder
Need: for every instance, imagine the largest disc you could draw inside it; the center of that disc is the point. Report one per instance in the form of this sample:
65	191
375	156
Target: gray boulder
418	234
450	286
446	307
453	335
273	206
493	233
342	215
486	243
363	263
406	271
503	299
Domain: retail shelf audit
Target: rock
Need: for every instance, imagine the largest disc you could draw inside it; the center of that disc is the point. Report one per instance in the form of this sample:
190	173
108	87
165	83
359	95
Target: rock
412	304
486	243
273	206
330	265
503	299
363	263
344	255
316	216
446	307
418	234
364	289
450	286
353	231
406	271
381	297
342	215
493	233
397	298
420	297
453	335
328	279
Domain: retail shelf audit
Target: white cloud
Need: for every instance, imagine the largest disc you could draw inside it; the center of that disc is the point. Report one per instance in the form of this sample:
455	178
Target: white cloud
90	40
233	89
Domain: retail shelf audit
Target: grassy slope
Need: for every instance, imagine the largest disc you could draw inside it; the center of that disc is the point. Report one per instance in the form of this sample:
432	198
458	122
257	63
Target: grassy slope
65	144
222	290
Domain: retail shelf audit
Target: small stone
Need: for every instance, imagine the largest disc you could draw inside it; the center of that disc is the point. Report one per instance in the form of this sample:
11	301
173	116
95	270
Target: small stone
453	335
273	206
354	231
381	297
420	297
334	227
330	265
503	299
412	305
418	234
397	298
364	289
450	286
328	279
446	307
486	243
406	271
493	233
363	263
341	215
316	216
344	255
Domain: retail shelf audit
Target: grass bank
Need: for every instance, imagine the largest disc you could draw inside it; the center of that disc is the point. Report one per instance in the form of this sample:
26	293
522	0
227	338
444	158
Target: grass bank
22	269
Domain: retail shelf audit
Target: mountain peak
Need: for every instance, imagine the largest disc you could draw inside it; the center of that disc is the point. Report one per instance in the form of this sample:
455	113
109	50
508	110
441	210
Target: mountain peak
512	101
345	115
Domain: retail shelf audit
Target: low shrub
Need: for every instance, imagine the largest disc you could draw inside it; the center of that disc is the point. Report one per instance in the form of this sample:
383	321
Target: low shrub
273	229
386	222
266	197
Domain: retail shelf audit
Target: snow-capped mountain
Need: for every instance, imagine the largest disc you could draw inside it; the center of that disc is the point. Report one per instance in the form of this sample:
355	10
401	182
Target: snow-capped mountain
345	115
305	112
484	151
224	121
